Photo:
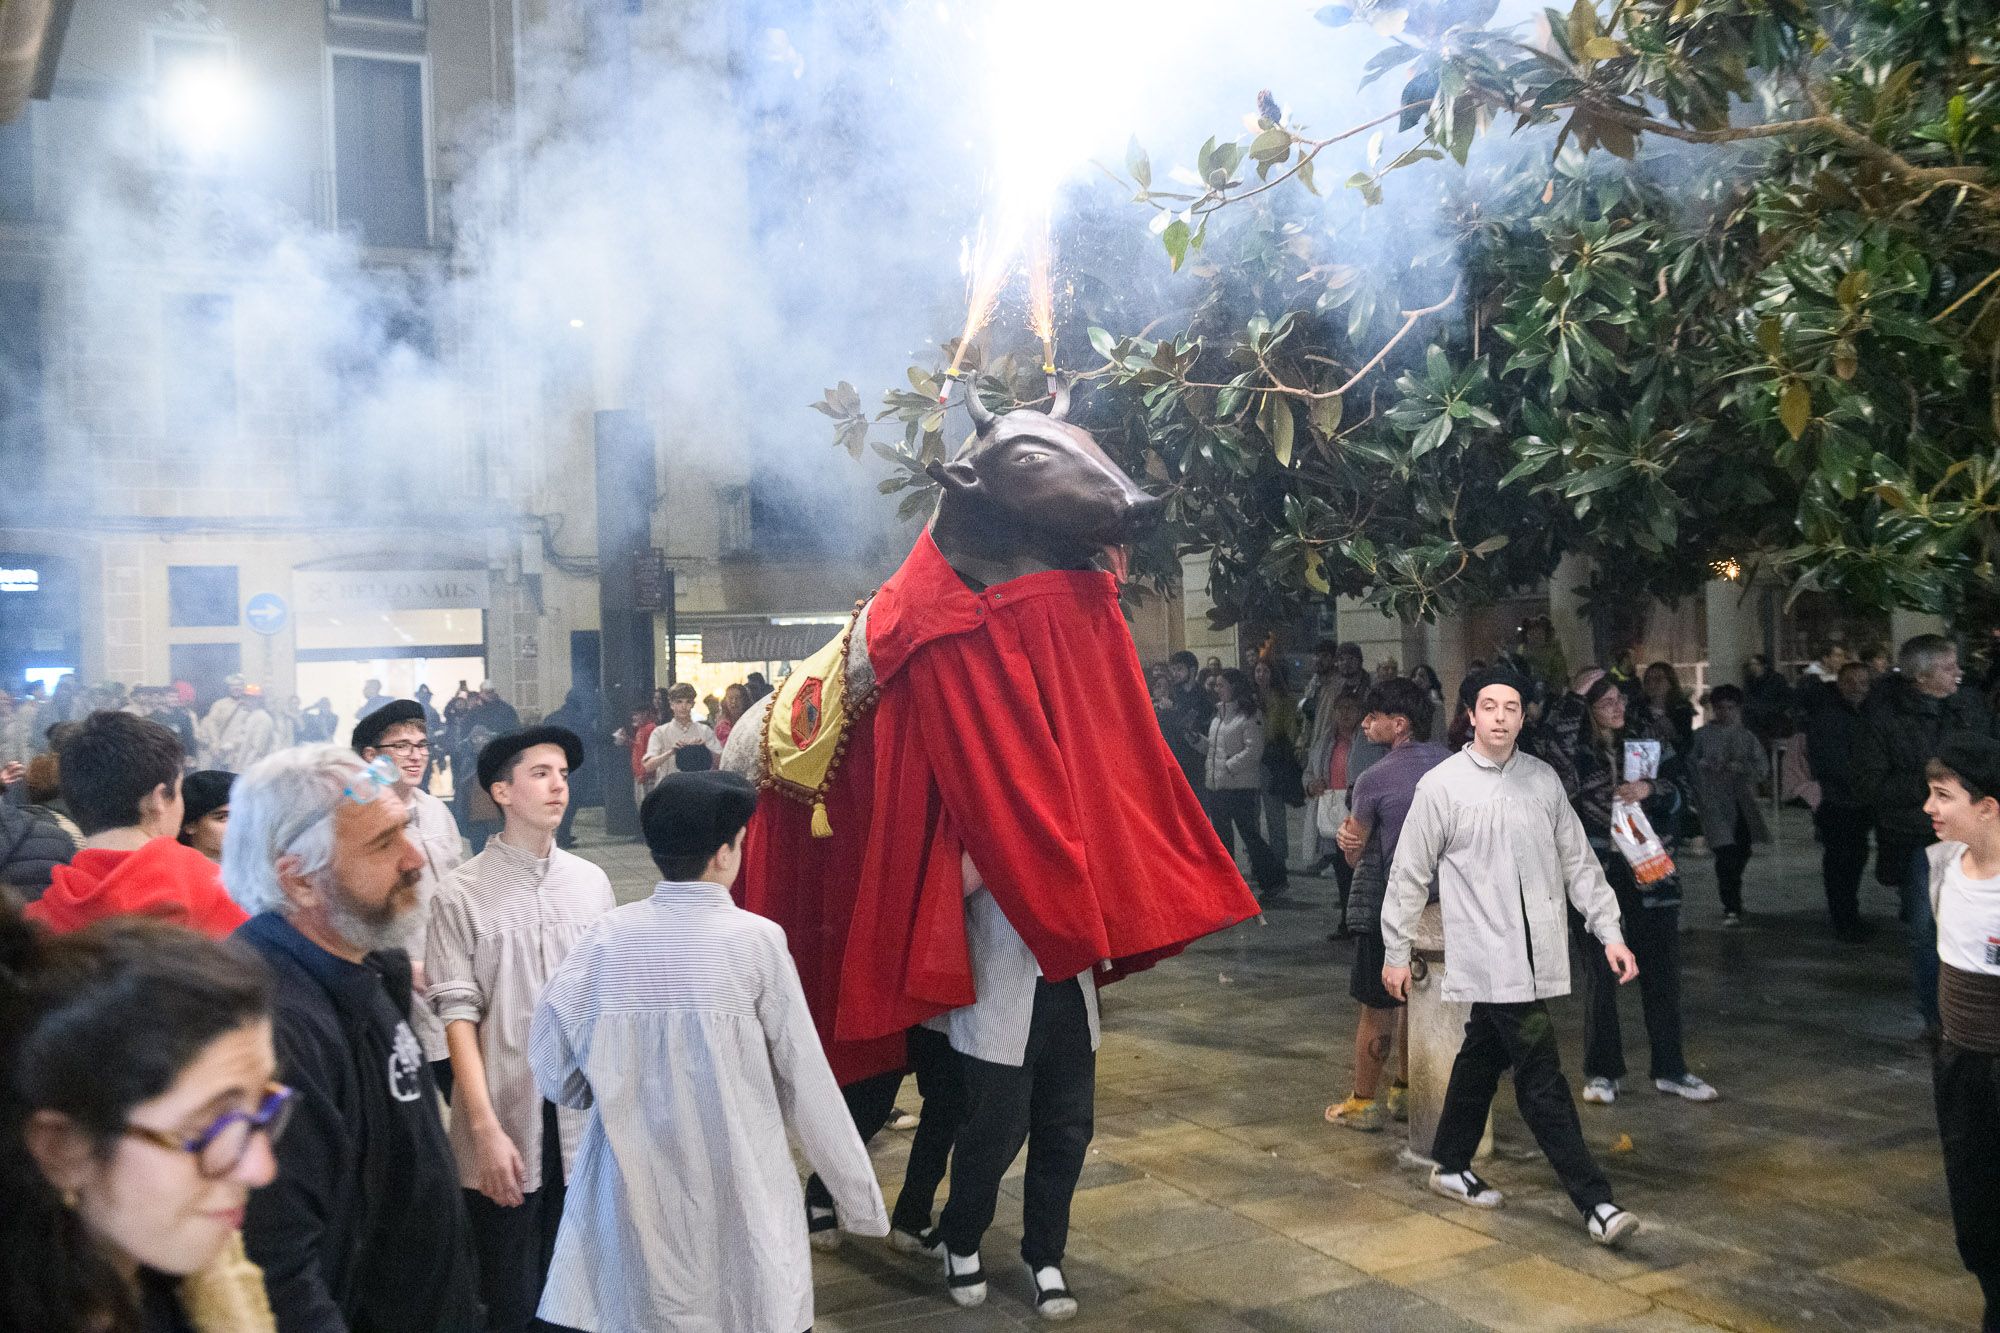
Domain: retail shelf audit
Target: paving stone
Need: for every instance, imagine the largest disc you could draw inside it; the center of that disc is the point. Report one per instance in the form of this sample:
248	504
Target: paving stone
1217	1200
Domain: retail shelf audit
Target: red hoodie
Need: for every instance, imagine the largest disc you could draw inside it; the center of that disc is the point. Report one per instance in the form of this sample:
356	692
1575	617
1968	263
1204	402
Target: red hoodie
162	879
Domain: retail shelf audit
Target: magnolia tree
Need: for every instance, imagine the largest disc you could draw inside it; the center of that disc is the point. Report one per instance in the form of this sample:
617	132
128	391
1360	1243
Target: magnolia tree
1680	283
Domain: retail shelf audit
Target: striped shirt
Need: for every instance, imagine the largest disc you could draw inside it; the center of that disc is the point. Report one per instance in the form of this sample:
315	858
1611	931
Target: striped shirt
500	927
681	1026
434	833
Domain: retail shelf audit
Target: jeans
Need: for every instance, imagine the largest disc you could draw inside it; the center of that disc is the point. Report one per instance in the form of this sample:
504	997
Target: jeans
1843	843
1729	864
1966	1085
1922	928
1048	1103
514	1245
1277	825
941	1080
1522	1036
1235	812
1654	936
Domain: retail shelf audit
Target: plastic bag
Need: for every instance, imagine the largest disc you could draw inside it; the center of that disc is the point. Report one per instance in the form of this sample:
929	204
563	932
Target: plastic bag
1330	812
1642	761
1642	849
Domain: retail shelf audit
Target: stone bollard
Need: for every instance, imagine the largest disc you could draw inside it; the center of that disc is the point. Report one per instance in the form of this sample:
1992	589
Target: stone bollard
1437	1030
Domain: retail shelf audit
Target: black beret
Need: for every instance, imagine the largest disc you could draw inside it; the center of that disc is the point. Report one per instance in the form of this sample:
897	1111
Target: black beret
1468	693
696	814
368	731
1974	759
500	751
204	793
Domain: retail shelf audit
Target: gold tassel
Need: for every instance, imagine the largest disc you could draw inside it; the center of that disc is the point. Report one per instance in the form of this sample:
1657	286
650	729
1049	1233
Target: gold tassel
822	826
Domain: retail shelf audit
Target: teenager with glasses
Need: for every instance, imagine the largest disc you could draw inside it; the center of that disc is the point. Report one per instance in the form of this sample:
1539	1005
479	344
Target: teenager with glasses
398	734
138	1107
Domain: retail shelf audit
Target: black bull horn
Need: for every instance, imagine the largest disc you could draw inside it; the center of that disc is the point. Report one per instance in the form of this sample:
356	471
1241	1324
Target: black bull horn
983	417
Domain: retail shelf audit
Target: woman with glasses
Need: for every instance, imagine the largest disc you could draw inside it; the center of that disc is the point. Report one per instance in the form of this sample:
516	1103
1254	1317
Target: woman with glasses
137	1113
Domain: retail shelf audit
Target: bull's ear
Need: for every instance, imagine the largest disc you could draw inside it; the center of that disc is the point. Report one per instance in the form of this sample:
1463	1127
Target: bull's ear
957	477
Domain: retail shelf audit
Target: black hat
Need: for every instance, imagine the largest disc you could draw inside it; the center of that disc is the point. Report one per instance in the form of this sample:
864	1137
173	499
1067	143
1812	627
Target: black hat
368	731
500	751
1468	693
1974	760
694	814
204	793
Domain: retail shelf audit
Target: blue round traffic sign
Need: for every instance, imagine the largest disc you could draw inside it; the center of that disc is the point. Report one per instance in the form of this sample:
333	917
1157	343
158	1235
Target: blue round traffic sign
265	613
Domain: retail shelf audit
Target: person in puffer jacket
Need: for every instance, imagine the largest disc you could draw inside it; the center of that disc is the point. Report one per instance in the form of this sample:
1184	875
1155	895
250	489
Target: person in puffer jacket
32	845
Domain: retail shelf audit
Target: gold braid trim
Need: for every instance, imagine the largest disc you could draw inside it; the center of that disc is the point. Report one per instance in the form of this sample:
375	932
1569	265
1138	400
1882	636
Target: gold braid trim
850	711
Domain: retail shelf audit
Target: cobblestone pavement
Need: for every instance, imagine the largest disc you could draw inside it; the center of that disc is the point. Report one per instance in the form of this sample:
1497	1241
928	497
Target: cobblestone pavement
1218	1199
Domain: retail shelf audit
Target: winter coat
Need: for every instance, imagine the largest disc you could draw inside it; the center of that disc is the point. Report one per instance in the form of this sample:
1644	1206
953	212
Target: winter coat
1900	733
1187	716
1235	749
1832	734
1728	763
32	845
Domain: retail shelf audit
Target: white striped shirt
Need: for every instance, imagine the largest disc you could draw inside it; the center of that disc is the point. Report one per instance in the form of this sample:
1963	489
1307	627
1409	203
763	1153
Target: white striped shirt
500	927
680	1024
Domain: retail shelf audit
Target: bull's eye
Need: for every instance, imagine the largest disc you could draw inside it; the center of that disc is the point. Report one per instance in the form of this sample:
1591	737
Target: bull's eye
1032	456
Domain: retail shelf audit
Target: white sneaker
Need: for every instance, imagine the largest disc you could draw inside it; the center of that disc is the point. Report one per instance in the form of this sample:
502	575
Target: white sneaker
1610	1224
964	1278
1052	1299
1688	1086
924	1242
901	1119
1465	1187
1602	1091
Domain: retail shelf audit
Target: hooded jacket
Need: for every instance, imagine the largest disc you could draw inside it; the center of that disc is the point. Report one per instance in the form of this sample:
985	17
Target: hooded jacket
162	879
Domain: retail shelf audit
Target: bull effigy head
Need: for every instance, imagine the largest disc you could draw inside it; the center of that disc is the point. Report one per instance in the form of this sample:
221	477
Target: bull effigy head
1032	491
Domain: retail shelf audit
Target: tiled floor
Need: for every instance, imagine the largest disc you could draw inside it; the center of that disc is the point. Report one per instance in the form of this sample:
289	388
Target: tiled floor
1217	1198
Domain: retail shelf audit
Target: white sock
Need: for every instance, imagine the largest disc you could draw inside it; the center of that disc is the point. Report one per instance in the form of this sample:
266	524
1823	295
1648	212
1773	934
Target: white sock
1048	1279
958	1265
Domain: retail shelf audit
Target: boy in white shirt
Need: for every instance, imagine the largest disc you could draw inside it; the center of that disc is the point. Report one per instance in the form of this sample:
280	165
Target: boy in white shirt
1964	808
679	1024
677	733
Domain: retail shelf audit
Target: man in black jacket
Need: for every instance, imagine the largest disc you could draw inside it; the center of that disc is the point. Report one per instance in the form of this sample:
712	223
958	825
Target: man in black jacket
364	1230
1903	720
1842	818
1187	715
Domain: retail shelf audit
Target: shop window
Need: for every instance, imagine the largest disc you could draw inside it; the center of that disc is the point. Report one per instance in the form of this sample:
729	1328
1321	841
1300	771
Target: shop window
198	365
201	596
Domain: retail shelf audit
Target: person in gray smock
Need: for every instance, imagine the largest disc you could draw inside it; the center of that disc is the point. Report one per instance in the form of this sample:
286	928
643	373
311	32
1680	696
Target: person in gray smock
1494	828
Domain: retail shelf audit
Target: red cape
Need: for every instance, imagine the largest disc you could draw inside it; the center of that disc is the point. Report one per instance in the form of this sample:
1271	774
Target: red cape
1014	726
162	879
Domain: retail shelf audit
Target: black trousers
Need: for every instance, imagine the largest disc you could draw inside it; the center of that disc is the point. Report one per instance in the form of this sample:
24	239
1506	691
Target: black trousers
1234	812
1521	1036
870	1103
1729	865
1048	1102
1653	934
1843	857
1967	1088
941	1080
514	1245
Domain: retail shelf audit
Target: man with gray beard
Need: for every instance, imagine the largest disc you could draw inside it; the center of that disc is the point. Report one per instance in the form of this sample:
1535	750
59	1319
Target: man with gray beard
365	1228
